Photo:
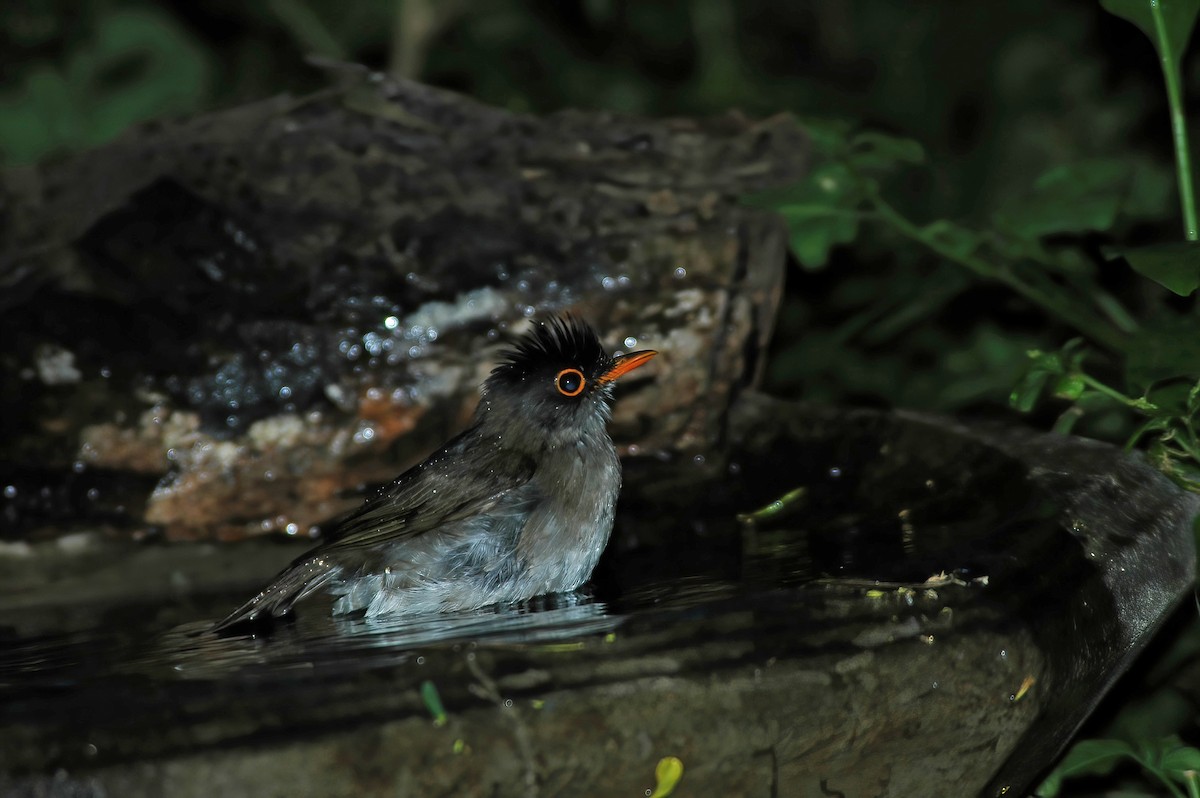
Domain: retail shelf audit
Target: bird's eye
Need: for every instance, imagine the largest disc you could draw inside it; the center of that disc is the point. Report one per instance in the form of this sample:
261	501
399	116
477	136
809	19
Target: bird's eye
569	382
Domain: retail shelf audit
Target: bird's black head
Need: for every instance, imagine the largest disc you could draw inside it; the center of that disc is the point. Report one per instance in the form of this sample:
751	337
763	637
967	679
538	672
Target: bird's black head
556	382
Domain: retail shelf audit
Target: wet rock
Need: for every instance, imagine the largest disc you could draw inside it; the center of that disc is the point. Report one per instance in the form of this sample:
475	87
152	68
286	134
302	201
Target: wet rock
268	308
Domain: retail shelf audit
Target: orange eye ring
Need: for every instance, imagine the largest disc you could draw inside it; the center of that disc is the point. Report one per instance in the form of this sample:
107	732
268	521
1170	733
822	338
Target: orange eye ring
570	382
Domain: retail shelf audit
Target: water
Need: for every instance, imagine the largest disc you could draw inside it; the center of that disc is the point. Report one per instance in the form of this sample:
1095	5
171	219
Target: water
814	584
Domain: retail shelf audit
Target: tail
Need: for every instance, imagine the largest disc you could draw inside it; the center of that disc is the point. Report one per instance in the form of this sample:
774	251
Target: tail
295	582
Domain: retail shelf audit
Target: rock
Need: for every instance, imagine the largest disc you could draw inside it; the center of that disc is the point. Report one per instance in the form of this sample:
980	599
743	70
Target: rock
263	309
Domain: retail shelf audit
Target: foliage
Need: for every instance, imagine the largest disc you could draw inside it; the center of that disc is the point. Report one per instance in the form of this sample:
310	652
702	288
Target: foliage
1166	759
1035	246
136	64
667	774
433	702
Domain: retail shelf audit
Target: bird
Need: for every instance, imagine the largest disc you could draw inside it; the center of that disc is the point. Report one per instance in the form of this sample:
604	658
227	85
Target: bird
518	505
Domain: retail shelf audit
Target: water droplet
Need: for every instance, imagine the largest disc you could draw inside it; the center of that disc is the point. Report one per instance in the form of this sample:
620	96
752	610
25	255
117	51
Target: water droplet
285	392
93	494
835	472
1004	653
609	283
391	322
292	528
10	491
680	272
630	342
698	459
79	466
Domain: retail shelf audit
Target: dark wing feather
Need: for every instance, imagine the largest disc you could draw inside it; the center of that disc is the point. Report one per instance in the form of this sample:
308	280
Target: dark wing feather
465	478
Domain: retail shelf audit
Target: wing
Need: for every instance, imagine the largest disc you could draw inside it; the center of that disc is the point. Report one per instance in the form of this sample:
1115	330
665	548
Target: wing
466	477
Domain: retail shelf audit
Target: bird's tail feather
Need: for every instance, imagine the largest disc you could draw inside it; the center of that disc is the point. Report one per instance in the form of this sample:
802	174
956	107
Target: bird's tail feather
294	583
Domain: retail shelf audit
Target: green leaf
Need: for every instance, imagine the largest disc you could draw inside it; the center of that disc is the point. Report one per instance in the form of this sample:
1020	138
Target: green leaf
667	774
1185	758
880	151
828	136
1166	347
954	239
1066	368
1086	758
433	702
1070	387
172	75
1071	198
1025	395
1178	17
1175	267
821	212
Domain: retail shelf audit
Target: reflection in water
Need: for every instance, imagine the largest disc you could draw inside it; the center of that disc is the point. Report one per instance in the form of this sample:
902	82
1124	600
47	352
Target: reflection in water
318	643
332	646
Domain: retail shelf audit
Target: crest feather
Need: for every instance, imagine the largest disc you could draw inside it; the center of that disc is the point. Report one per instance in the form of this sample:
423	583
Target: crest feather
559	341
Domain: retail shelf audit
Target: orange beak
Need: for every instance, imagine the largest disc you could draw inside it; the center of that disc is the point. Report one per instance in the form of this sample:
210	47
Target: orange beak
625	364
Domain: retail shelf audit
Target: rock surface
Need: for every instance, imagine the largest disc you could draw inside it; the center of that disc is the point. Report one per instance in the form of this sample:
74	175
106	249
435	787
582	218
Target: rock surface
220	327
